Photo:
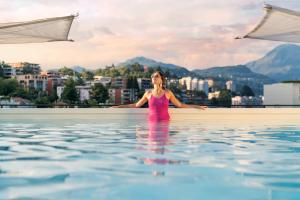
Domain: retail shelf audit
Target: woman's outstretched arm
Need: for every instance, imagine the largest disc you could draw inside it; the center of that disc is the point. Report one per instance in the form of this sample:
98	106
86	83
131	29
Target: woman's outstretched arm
178	104
139	104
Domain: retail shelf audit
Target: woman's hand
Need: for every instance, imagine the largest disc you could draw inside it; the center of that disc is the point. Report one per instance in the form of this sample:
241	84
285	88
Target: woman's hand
115	107
125	106
201	107
193	106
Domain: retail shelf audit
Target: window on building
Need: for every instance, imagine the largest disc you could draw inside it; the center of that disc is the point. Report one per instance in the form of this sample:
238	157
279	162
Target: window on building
31	84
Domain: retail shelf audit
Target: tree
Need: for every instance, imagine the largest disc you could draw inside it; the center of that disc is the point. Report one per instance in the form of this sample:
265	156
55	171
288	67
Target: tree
137	67
132	83
79	81
167	73
233	94
129	82
247	91
201	94
113	72
70	94
53	96
27	69
28	93
1	70
173	87
225	98
151	71
99	72
90	102
99	93
8	86
87	75
140	94
159	69
20	92
42	101
66	71
214	101
2	66
124	71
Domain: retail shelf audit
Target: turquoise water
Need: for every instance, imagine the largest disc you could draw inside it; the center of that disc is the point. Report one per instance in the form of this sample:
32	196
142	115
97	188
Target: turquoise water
130	158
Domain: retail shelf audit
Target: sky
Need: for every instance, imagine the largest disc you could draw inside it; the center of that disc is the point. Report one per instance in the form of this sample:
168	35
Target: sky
195	34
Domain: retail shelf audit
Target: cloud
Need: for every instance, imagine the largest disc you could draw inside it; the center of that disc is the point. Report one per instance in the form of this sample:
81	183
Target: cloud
105	30
195	33
252	5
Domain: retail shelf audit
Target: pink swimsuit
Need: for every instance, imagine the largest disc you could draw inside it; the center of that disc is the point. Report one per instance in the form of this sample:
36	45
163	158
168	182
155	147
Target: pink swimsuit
158	108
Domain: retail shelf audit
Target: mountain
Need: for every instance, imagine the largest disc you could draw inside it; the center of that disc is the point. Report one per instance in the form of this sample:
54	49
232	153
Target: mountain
78	69
240	74
175	69
282	63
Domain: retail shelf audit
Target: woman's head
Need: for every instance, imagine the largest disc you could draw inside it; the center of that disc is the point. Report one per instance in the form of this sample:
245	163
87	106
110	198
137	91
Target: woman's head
159	79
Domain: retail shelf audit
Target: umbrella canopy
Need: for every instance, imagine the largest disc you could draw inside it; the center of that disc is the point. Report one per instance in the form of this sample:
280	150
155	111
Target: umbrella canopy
41	30
279	24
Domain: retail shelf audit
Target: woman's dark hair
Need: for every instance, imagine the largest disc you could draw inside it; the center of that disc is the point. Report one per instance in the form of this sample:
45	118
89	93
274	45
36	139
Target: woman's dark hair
163	78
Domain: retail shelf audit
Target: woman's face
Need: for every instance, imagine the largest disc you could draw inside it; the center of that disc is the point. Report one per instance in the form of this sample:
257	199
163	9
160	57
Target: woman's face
156	79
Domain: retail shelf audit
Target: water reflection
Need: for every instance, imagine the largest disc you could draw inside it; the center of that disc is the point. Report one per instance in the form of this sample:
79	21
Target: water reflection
156	140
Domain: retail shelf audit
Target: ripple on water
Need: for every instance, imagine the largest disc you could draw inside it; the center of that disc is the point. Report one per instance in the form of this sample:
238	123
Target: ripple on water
106	158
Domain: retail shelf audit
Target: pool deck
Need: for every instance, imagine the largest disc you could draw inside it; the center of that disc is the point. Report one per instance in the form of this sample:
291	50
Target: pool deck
210	115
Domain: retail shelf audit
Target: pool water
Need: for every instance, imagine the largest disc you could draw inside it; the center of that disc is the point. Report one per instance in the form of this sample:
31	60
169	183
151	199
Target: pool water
132	158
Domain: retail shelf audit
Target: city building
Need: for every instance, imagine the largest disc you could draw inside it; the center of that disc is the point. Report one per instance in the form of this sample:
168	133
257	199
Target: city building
203	86
122	96
13	69
83	91
282	94
8	71
194	84
210	82
187	82
105	81
247	101
11	102
59	91
119	82
230	85
36	69
172	81
213	95
144	83
146	68
66	77
38	82
54	80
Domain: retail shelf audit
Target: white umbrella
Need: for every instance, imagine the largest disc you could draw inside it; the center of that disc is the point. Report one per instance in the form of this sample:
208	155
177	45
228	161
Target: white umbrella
41	30
279	24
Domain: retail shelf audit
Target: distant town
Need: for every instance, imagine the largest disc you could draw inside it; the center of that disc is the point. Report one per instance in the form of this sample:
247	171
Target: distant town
26	84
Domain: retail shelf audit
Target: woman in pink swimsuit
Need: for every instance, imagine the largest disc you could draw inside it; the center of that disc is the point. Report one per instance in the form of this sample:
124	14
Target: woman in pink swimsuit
158	119
158	99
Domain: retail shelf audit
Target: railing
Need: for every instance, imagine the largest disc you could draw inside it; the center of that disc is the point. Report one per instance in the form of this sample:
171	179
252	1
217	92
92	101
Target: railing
109	105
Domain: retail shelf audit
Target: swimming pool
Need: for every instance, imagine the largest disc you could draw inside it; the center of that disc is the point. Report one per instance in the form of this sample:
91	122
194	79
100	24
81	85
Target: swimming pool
118	154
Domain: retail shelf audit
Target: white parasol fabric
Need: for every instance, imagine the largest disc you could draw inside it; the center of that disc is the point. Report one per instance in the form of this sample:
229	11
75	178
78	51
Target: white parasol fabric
279	24
41	30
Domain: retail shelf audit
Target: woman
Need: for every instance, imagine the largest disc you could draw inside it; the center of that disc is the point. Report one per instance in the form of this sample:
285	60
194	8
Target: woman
158	99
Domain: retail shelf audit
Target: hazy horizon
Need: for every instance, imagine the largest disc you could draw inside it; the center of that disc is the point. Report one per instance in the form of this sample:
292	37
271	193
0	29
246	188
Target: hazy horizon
197	34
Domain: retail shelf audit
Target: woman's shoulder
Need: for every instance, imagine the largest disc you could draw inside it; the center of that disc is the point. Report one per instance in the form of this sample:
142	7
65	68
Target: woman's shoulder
148	93
168	93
